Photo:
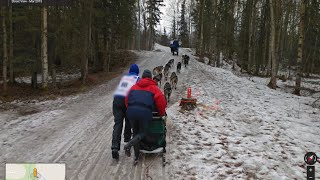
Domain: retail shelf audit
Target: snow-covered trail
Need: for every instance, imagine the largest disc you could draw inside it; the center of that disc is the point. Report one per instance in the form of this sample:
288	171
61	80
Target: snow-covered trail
77	131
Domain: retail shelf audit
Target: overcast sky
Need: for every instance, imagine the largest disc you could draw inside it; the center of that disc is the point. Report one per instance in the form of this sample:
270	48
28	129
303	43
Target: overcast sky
165	19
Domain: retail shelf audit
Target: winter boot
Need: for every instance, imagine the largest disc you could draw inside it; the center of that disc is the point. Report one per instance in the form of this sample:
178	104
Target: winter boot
127	150
136	159
115	154
132	142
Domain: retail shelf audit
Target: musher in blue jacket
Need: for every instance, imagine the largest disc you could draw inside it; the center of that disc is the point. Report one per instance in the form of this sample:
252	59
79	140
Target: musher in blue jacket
119	109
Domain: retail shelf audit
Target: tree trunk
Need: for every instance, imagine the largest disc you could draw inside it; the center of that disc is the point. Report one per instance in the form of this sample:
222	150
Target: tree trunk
11	79
105	52
215	31
273	81
174	24
269	66
139	26
201	47
109	54
251	34
150	37
5	50
54	76
145	31
300	49
44	48
190	25
213	50
283	42
220	59
233	60
313	57
86	40
278	23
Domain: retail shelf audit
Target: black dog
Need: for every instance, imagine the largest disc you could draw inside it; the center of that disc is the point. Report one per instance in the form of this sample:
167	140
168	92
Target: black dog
185	59
178	67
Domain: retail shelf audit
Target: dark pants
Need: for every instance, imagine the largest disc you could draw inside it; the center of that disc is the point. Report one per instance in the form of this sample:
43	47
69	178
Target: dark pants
140	119
119	113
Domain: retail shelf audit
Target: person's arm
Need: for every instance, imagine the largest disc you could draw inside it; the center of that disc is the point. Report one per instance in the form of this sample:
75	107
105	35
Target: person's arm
160	101
126	99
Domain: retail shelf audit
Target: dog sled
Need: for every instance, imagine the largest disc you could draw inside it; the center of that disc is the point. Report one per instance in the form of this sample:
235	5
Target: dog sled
155	139
175	50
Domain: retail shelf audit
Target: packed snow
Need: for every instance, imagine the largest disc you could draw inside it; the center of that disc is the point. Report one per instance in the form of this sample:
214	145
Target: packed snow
241	129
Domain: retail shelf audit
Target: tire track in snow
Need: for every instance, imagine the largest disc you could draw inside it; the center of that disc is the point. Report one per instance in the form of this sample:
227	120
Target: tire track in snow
104	166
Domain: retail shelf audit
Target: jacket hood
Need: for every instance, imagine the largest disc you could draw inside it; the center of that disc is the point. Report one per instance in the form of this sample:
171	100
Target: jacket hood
134	69
145	82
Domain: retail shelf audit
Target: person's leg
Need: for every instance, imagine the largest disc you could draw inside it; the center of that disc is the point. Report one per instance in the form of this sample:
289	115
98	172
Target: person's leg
136	139
127	130
137	118
137	136
144	123
131	113
117	128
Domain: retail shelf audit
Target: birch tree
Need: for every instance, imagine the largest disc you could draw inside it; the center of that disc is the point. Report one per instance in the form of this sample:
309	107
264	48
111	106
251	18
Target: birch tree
300	49
44	47
11	79
5	49
273	81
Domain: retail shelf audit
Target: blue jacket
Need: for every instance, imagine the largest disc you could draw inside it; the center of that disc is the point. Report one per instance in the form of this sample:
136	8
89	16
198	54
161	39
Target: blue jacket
175	44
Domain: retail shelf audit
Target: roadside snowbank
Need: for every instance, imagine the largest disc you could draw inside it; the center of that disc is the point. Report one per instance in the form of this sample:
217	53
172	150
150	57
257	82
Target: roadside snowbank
61	77
241	129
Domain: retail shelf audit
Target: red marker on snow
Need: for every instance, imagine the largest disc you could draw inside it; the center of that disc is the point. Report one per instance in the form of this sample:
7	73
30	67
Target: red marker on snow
189	93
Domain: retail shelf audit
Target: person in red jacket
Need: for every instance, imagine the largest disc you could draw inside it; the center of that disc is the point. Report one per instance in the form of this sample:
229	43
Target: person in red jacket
140	101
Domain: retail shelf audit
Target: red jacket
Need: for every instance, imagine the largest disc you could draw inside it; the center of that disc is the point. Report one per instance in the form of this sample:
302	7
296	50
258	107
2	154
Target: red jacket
142	93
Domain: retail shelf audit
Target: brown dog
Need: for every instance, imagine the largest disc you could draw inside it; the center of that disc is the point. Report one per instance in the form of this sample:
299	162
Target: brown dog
174	80
167	91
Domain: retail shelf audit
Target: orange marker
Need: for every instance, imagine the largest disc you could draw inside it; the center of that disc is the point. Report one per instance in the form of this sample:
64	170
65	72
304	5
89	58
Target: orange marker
35	173
189	93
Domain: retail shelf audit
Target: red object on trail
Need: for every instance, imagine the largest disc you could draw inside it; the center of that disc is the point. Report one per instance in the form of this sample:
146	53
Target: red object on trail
189	93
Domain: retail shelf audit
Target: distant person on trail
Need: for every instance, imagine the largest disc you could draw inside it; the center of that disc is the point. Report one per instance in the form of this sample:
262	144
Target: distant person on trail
174	47
176	43
119	109
142	98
